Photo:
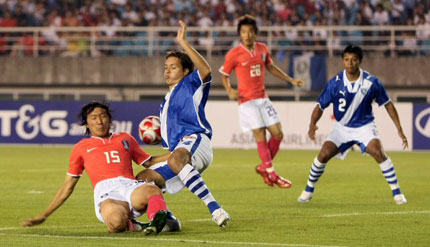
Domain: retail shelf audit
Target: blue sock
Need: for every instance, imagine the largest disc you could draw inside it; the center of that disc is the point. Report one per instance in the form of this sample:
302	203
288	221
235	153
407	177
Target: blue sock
389	173
317	169
195	183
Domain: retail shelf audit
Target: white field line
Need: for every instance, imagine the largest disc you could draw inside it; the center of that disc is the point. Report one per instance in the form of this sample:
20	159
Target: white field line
200	241
243	219
170	240
375	213
336	215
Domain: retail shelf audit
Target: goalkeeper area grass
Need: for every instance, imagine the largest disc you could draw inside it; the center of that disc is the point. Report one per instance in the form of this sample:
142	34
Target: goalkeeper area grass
352	204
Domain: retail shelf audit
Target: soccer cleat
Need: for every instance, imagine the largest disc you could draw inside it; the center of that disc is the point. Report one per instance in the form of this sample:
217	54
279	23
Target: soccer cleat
157	224
280	181
220	217
136	226
172	224
262	171
400	199
306	196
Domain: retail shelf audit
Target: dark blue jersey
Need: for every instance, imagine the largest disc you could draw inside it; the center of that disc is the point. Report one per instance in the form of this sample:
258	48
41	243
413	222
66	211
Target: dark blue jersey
352	101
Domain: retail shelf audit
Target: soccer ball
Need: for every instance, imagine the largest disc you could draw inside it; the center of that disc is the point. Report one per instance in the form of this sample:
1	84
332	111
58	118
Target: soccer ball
149	130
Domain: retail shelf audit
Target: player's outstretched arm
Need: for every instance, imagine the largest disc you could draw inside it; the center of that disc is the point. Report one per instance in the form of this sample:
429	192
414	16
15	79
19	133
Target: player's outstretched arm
276	71
62	194
392	112
233	94
316	115
201	64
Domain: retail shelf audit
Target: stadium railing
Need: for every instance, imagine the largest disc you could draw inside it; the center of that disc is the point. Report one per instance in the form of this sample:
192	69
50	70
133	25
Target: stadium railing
152	41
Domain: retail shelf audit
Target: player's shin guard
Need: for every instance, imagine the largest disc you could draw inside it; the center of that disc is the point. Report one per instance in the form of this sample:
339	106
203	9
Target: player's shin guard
195	183
264	152
155	204
274	145
317	169
389	173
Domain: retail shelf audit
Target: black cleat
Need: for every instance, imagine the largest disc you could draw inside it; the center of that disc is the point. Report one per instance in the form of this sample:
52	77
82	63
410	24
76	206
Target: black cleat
172	224
157	224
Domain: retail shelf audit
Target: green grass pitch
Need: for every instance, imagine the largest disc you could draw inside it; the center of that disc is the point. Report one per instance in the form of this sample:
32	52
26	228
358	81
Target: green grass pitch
352	205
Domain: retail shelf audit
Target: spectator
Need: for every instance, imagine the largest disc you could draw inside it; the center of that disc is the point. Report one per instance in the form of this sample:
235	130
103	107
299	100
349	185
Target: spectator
397	12
380	17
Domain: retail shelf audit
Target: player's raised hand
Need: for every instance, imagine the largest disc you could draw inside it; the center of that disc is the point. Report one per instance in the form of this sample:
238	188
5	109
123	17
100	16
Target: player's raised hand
33	221
182	33
404	140
298	82
312	130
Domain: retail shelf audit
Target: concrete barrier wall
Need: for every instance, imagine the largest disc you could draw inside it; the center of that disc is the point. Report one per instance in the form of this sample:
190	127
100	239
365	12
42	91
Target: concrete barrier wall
408	71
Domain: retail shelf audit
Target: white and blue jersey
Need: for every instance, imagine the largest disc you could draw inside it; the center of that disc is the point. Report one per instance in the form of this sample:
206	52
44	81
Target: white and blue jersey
182	111
352	102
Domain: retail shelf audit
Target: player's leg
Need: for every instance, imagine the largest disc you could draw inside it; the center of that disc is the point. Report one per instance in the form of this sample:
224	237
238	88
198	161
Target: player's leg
276	138
328	151
158	174
115	215
181	163
149	198
375	149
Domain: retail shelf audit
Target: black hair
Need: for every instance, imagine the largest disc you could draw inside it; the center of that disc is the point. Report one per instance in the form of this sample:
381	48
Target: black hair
183	57
354	49
247	20
88	108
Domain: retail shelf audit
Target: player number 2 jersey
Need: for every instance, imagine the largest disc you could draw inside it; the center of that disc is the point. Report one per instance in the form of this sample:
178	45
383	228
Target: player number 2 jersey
106	158
352	101
250	70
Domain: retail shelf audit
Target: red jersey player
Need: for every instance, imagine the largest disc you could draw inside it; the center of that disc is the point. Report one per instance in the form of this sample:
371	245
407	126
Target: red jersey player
249	59
118	196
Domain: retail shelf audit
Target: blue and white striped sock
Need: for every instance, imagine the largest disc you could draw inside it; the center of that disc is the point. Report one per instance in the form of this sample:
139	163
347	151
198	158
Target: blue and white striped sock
195	183
389	173
315	173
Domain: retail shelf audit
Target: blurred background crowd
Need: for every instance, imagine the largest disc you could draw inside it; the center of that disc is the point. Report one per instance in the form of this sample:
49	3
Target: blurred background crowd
204	13
112	14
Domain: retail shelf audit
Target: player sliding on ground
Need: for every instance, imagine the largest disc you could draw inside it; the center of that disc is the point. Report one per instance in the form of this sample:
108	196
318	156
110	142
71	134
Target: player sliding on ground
256	112
352	92
118	196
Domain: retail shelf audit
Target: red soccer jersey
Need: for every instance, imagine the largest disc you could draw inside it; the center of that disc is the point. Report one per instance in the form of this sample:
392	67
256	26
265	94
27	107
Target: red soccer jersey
249	67
106	158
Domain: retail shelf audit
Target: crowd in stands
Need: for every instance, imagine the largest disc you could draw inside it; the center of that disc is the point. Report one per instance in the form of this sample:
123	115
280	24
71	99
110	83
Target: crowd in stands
203	13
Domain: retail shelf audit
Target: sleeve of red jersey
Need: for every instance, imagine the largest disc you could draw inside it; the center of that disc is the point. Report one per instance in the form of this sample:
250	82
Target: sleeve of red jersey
229	63
268	56
76	165
138	154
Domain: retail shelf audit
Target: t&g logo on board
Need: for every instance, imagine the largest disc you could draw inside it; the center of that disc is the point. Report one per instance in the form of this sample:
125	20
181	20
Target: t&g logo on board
51	123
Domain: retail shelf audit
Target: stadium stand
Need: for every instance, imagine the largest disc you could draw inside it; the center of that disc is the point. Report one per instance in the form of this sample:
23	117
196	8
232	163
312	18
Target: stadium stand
82	44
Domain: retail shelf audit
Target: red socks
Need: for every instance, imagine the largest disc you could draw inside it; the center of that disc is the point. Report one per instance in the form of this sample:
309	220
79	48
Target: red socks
155	204
264	152
274	145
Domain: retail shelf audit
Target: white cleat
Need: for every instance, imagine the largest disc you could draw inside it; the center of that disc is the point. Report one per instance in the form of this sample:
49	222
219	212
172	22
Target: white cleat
400	199
220	217
305	196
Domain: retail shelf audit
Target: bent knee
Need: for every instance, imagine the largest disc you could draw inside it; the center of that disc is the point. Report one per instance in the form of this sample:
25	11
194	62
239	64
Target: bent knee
178	159
279	135
116	222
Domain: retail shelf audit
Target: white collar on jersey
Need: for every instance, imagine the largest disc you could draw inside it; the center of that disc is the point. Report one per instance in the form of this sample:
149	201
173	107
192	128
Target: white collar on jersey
253	52
352	86
103	139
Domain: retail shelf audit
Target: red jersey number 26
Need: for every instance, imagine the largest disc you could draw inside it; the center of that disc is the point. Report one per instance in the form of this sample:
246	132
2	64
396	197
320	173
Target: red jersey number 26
255	70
